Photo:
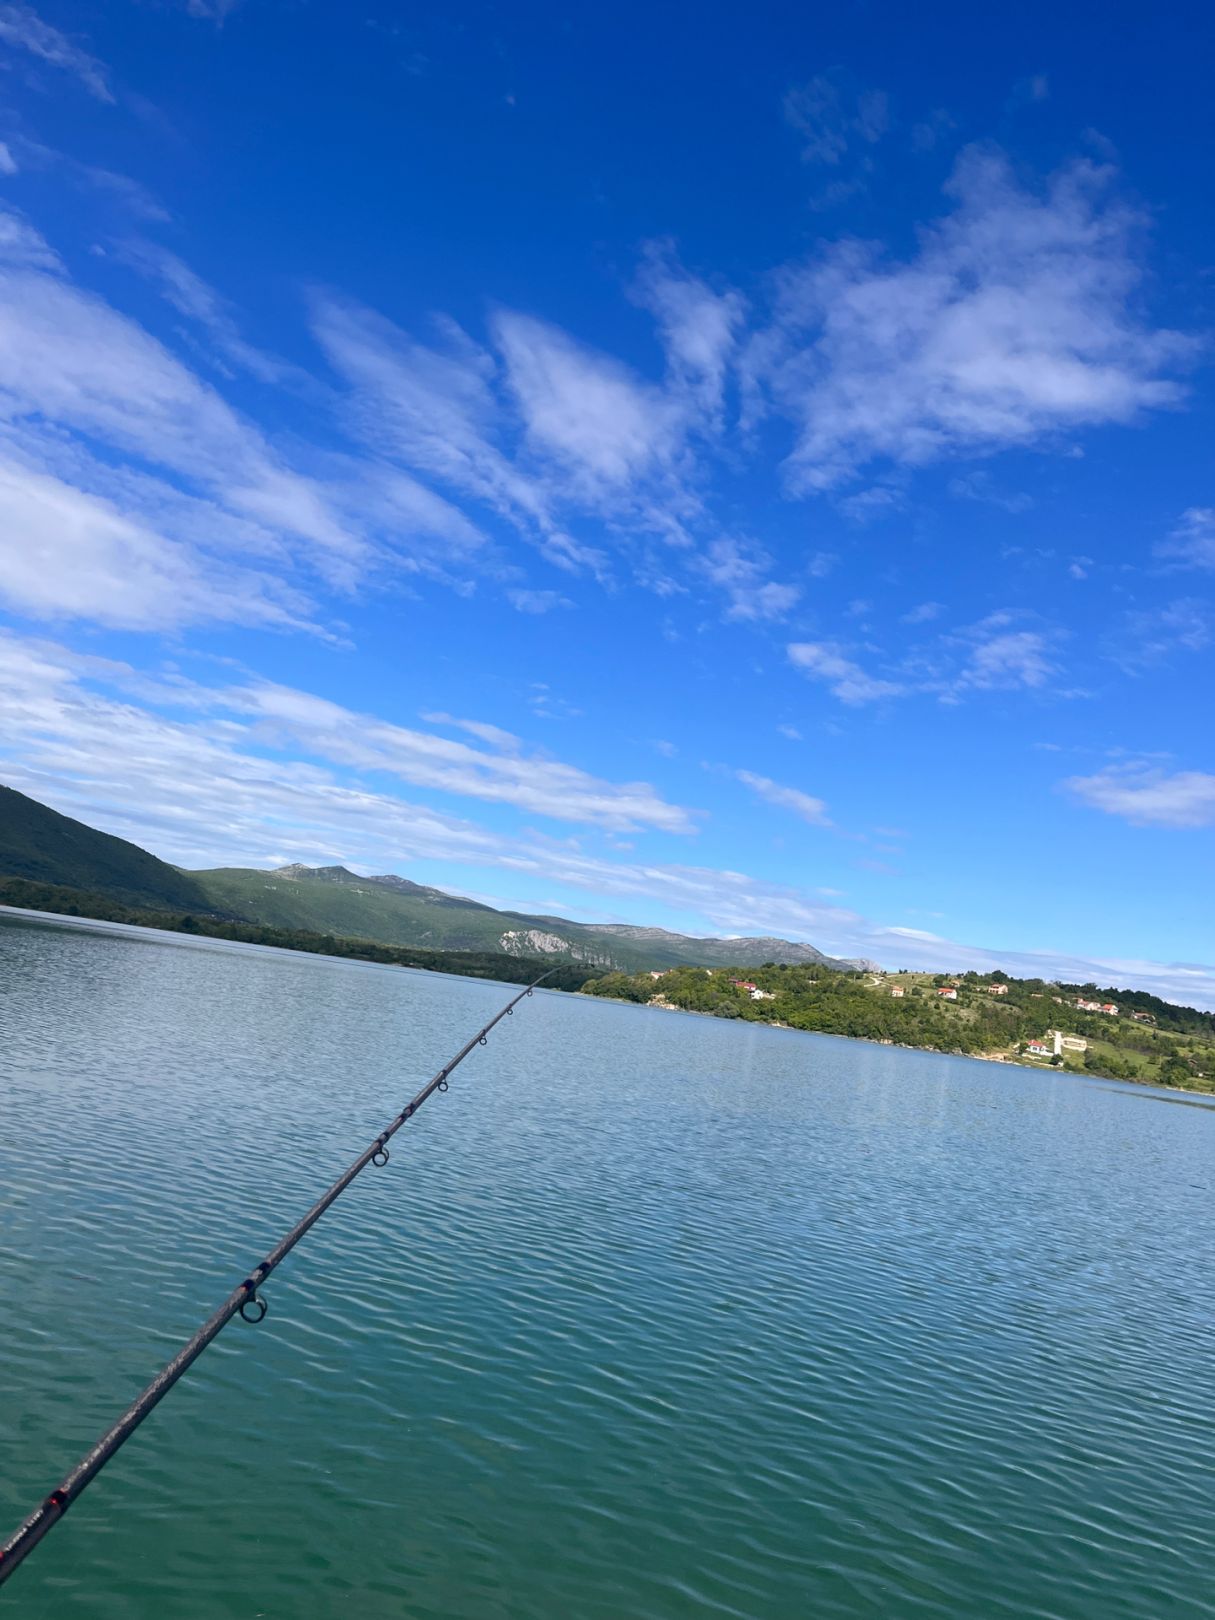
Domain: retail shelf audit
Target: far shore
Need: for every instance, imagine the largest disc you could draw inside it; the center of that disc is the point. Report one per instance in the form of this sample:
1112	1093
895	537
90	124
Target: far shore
172	934
1007	1059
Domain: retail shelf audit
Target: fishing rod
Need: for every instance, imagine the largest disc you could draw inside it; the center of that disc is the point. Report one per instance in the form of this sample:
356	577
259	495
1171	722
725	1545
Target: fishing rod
244	1301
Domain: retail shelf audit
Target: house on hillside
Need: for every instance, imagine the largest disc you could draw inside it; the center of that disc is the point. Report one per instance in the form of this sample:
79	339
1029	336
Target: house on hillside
763	995
1143	1018
743	984
948	992
1110	1008
658	973
997	989
897	990
1038	1049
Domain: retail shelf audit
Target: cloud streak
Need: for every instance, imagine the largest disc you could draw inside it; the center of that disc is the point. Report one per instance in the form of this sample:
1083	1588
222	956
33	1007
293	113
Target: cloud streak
202	790
1192	542
148	502
22	28
1012	323
786	798
826	661
1148	797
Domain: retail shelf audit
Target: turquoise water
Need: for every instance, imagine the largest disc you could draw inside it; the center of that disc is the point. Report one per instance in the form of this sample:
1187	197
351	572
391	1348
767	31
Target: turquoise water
651	1315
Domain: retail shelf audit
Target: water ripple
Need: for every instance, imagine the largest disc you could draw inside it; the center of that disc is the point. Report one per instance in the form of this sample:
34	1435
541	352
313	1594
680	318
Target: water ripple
650	1316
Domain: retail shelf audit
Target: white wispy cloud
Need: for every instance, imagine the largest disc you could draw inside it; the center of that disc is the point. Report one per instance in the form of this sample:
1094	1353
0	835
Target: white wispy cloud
23	247
826	661
542	428
126	470
498	738
993	655
1192	542
981	486
192	297
69	358
433	406
1014	320
833	117
71	555
607	427
741	570
1149	636
8	163
700	328
1149	797
880	500
529	781
923	613
129	195
316	733
202	793
529	601
22	28
1008	659
802	804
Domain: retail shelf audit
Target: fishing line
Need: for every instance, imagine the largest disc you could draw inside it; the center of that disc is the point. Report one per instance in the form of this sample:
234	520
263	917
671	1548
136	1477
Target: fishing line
244	1301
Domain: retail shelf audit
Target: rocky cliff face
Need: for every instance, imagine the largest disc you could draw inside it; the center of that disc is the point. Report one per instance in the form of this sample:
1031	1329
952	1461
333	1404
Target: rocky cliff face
538	942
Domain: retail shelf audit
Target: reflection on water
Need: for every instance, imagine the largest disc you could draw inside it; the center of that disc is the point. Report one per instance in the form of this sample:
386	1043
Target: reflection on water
1157	1094
651	1315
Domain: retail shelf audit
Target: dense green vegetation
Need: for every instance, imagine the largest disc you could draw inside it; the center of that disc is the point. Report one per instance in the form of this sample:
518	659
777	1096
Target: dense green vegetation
1177	1049
49	862
331	899
470	964
39	844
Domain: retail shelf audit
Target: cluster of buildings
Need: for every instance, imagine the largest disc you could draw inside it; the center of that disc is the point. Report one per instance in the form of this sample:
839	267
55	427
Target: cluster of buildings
1109	1008
1055	1044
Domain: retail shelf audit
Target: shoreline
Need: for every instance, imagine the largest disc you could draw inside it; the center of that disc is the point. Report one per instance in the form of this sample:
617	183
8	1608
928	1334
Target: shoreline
904	1046
170	934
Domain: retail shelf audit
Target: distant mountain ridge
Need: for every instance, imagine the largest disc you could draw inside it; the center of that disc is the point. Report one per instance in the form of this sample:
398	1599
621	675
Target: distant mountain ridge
40	844
395	910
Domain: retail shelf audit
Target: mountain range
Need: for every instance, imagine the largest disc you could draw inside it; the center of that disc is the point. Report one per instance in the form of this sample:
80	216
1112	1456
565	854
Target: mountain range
39	844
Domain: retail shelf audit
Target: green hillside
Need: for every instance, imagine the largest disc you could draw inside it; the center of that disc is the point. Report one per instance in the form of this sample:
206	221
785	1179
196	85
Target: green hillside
333	900
38	844
1142	1039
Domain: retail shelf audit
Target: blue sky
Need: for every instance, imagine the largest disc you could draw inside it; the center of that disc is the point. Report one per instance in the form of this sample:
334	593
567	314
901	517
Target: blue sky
713	466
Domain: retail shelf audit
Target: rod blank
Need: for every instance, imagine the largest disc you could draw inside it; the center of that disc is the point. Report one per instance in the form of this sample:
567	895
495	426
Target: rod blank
244	1300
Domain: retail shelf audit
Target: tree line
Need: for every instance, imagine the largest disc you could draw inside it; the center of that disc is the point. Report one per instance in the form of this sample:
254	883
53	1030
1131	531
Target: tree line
32	896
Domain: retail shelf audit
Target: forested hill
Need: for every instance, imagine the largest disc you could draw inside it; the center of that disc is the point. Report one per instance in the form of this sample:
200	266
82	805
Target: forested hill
40	845
1164	1044
397	912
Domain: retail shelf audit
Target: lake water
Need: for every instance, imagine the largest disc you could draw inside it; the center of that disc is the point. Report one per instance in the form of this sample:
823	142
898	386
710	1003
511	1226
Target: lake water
649	1316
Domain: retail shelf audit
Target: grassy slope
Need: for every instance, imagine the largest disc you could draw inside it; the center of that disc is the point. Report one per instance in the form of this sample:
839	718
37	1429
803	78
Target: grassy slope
862	1005
364	910
40	845
53	898
440	922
